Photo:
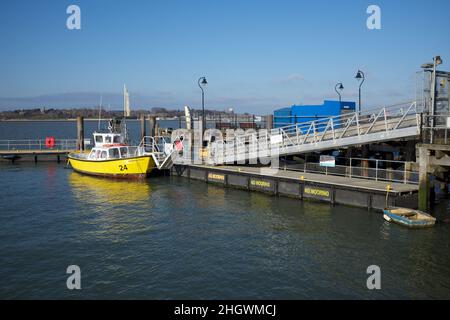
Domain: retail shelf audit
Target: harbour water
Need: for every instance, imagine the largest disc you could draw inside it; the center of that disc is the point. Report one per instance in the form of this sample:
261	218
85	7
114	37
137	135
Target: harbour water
62	129
171	238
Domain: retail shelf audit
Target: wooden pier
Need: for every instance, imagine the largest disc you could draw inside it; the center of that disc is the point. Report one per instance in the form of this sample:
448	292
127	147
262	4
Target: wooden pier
34	155
36	150
333	189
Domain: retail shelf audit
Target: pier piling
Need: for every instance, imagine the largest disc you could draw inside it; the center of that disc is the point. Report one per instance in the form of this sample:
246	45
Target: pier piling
424	179
143	128
151	125
80	133
269	122
365	163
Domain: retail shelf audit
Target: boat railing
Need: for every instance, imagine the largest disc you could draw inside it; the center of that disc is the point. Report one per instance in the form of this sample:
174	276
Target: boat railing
162	148
154	144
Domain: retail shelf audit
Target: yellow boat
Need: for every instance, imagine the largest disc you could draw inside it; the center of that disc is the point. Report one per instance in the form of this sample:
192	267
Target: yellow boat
131	167
112	157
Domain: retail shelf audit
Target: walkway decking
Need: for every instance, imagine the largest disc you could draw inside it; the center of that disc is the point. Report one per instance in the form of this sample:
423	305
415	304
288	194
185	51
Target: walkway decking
334	189
323	179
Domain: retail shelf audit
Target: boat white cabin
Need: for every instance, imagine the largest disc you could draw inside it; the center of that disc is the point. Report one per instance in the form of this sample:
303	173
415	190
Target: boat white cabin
108	139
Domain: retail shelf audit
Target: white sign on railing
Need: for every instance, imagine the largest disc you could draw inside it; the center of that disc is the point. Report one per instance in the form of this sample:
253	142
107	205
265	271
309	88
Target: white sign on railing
327	161
276	139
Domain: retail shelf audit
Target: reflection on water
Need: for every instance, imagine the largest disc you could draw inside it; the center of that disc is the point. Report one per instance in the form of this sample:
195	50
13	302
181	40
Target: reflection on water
171	238
260	201
217	194
113	209
97	190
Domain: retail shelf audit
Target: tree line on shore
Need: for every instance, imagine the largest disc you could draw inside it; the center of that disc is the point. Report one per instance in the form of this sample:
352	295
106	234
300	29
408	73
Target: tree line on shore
90	113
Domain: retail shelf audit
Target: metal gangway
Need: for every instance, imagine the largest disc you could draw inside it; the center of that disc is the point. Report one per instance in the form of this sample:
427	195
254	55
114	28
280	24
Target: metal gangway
396	122
162	150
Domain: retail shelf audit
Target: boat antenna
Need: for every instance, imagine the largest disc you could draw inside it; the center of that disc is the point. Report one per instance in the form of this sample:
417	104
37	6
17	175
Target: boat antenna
100	111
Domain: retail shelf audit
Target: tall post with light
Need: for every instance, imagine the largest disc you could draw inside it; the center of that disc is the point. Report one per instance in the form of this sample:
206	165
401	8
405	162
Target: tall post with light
432	110
339	87
202	84
436	61
360	77
365	148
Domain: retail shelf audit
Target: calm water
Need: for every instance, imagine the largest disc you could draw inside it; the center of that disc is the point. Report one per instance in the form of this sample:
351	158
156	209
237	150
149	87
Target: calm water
18	130
170	238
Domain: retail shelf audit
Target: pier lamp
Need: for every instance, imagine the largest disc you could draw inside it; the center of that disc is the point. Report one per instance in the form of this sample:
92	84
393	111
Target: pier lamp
431	67
360	77
339	87
202	84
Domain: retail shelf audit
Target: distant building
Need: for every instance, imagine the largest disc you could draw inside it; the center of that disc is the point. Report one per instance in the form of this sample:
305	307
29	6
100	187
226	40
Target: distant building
306	113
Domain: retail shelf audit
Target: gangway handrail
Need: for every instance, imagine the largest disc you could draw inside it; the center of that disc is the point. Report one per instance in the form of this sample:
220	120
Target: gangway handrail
390	122
163	159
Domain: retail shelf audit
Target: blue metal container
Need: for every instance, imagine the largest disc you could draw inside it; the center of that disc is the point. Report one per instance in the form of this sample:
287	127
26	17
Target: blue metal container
306	113
282	117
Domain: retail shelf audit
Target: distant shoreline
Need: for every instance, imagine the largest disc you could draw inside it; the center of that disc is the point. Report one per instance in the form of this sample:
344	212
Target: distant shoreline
58	120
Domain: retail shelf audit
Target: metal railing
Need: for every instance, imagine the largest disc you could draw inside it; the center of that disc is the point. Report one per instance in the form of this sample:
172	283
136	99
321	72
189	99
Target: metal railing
378	170
369	126
37	144
154	144
161	148
435	128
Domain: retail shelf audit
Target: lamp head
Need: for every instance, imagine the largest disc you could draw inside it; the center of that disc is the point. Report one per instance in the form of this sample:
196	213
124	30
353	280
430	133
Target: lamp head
203	82
341	87
437	60
359	75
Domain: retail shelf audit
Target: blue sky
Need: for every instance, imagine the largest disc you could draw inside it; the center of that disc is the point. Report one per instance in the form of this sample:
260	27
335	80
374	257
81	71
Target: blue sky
257	55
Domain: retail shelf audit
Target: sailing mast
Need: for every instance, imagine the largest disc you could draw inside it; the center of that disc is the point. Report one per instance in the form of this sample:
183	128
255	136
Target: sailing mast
187	114
100	111
126	102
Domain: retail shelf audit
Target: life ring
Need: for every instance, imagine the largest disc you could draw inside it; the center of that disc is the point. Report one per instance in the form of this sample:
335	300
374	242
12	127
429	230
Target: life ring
178	145
50	142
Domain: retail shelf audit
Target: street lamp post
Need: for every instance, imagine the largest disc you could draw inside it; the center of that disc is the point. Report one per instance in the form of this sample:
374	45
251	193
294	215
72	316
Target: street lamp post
436	61
202	83
340	87
360	77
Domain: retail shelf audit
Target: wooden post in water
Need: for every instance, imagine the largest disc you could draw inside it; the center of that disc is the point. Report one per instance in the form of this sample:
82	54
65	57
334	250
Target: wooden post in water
143	129
389	171
269	122
365	162
151	125
424	179
80	133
